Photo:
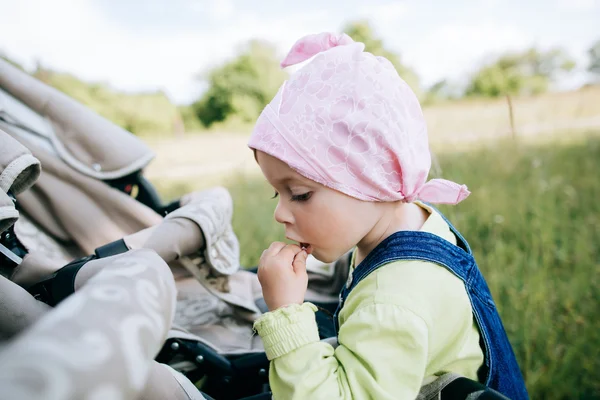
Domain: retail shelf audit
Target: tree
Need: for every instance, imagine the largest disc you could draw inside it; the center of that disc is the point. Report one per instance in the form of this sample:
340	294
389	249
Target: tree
361	31
241	87
145	113
594	53
528	72
440	91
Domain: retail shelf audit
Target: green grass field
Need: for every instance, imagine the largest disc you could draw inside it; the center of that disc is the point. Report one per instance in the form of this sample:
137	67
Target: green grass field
533	220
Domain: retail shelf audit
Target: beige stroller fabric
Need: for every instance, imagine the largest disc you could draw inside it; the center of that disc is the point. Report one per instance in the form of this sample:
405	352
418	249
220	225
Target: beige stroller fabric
119	318
217	310
19	169
164	383
74	207
18	309
8	213
69	213
81	138
212	210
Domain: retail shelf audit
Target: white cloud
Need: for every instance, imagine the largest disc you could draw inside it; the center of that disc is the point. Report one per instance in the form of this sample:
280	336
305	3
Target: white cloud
385	13
449	49
577	5
71	35
74	36
491	3
221	9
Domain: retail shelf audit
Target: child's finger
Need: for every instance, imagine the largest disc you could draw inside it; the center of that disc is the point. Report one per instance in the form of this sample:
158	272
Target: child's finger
299	263
274	248
290	251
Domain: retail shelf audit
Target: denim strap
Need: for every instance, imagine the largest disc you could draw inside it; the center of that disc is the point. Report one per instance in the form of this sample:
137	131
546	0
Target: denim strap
412	245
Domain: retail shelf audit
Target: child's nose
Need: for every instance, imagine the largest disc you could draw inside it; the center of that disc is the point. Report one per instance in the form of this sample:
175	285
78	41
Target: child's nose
283	214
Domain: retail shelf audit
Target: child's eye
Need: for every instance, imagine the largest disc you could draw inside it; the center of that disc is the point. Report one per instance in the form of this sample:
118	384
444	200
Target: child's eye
275	195
301	197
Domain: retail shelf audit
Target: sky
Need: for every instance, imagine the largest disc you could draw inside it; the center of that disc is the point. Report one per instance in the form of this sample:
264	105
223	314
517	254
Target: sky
147	45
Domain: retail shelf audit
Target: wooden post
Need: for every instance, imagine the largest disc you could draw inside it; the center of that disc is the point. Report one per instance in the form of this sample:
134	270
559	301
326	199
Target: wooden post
178	126
511	117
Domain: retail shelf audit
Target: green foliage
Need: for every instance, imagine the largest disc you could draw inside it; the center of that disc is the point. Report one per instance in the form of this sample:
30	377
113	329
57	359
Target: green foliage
440	91
533	221
528	72
190	120
361	31
139	113
594	53
241	87
534	224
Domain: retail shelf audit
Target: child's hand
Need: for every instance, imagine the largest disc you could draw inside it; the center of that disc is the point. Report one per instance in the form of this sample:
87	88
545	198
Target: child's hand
282	275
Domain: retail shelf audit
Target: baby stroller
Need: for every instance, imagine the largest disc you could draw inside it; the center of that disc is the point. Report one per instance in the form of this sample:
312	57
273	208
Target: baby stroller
92	204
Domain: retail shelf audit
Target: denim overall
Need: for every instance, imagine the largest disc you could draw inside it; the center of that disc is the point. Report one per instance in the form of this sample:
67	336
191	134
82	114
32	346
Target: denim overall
500	370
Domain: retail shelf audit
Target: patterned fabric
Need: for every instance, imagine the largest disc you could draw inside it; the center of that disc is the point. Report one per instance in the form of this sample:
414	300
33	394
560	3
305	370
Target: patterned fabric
348	121
100	342
212	210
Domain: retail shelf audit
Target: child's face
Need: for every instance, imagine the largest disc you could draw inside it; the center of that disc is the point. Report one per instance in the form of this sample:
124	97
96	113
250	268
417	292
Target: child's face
328	221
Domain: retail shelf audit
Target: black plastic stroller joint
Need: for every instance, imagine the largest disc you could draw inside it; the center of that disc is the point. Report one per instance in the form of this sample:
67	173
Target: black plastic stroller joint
232	377
61	284
12	250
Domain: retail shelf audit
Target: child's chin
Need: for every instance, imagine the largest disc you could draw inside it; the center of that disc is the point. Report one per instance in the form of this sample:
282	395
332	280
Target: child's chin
324	258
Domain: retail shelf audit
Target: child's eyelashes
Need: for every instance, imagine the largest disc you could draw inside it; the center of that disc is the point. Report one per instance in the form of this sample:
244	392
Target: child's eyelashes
296	197
301	197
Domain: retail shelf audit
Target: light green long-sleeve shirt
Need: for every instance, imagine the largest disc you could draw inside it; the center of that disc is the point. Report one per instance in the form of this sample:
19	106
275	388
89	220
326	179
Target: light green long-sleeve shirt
403	324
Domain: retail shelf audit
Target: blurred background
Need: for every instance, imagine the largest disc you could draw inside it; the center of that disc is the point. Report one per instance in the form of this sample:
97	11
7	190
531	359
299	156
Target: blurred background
510	90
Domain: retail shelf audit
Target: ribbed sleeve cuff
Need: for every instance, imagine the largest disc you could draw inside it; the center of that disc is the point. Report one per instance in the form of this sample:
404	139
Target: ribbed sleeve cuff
287	328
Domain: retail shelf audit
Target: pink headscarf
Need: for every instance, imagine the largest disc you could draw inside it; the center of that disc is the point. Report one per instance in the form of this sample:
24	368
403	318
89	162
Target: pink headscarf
348	121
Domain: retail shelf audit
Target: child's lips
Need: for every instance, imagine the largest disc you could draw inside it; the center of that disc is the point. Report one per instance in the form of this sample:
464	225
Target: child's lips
307	247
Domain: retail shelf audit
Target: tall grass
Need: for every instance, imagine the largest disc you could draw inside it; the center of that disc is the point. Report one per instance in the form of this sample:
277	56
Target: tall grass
533	221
